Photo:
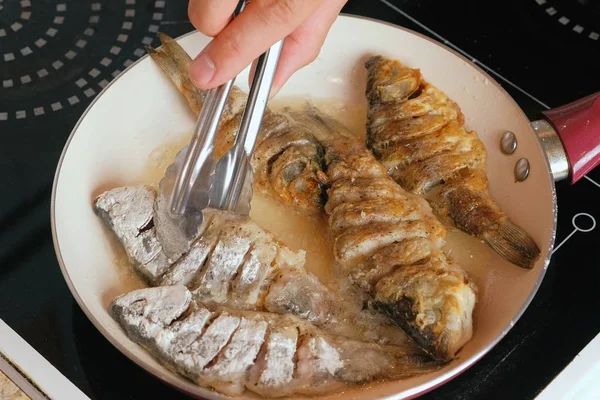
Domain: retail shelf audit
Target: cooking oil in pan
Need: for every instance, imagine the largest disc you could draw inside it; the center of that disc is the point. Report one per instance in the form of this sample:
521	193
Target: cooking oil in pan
310	233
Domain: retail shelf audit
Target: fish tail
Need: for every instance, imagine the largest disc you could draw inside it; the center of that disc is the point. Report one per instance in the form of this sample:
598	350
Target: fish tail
512	243
174	61
171	58
472	209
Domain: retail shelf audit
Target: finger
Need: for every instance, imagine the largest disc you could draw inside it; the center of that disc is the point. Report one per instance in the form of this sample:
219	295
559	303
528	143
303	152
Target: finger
211	16
304	44
258	27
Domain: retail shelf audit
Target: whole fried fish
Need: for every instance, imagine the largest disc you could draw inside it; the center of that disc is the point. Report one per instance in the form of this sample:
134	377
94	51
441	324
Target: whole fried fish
270	354
388	242
417	132
287	161
238	264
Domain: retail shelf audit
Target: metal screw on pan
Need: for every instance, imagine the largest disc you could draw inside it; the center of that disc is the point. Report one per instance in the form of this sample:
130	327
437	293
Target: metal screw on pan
508	143
522	169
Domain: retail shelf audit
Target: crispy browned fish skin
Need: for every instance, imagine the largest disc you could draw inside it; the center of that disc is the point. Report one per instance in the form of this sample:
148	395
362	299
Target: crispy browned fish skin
417	132
389	243
286	161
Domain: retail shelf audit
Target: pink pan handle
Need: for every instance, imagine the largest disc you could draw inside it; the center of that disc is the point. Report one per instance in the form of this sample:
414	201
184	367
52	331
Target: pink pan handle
578	126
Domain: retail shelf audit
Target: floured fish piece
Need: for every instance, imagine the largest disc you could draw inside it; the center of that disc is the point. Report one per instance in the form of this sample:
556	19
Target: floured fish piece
271	277
417	132
247	268
270	354
238	264
287	161
128	213
388	242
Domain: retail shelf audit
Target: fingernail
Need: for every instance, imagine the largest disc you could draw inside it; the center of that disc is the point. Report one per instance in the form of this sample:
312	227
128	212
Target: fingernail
202	70
273	92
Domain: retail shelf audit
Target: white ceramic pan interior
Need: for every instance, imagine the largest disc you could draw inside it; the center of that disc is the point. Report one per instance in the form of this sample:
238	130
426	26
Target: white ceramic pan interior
140	111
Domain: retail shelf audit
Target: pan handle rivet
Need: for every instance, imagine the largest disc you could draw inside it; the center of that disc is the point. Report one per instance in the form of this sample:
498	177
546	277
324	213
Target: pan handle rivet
522	169
508	143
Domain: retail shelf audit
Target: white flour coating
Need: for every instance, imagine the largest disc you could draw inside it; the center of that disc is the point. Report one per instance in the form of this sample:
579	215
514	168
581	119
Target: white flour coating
327	358
234	351
185	269
183	333
223	264
214	339
164	309
139	312
243	348
162	305
279	359
128	212
231	263
239	356
247	286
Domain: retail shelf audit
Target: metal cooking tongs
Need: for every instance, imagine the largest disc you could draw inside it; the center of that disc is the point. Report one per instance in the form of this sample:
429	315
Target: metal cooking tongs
231	170
201	181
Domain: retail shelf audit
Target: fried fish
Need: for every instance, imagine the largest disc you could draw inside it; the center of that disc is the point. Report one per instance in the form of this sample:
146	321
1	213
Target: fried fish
270	354
417	132
388	242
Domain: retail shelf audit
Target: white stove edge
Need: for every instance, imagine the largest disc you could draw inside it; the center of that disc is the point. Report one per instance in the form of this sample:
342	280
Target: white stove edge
580	380
24	357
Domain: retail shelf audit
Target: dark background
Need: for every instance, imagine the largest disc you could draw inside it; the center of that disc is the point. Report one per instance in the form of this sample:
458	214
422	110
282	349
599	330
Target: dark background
543	52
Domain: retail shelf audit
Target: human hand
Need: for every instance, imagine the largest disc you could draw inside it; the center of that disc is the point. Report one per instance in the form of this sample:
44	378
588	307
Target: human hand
303	23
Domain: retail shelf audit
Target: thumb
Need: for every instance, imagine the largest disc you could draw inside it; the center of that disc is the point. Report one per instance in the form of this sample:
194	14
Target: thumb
257	28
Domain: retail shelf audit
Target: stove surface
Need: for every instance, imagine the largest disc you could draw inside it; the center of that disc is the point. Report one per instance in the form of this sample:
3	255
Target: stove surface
56	56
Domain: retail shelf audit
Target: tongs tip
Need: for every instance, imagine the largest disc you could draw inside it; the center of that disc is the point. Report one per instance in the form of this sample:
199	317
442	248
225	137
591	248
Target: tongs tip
222	182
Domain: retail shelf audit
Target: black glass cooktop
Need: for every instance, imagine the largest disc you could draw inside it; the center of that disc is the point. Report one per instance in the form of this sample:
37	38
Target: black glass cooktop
57	55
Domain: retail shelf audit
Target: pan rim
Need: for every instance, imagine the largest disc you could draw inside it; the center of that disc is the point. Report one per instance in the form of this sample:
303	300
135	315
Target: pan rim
409	393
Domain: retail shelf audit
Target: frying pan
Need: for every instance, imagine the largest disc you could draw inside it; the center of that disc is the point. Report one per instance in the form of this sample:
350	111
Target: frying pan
133	120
